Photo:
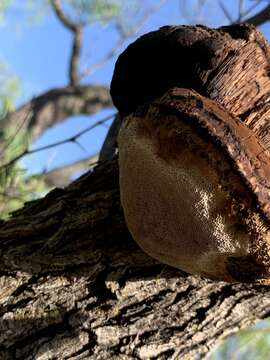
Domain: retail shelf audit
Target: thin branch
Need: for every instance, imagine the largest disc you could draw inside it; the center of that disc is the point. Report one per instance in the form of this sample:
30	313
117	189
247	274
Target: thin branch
240	10
113	52
76	30
124	35
225	11
251	8
74	60
60	177
183	8
72	139
56	105
80	145
66	21
259	18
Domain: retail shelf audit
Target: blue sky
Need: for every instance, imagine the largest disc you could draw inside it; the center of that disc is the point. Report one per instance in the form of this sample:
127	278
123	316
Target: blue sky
38	53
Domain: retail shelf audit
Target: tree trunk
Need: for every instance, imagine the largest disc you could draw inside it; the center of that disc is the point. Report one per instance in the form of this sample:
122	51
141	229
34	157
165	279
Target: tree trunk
74	285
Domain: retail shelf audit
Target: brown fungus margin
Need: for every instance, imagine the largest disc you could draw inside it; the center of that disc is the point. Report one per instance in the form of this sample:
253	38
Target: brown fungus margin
247	158
229	69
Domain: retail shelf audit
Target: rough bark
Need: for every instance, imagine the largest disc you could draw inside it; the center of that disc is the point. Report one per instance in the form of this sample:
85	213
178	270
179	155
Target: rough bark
56	105
74	285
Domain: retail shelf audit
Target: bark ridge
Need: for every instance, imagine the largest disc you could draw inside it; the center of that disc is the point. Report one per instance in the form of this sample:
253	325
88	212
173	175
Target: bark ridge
74	285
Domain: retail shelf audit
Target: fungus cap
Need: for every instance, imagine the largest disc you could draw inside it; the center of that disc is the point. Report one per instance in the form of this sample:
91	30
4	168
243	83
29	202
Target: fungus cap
195	178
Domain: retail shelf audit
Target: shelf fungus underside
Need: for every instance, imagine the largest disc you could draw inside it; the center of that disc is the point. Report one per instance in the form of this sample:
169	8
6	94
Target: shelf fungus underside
195	179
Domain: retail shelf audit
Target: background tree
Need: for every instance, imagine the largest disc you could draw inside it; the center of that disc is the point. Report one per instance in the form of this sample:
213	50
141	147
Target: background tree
68	296
79	96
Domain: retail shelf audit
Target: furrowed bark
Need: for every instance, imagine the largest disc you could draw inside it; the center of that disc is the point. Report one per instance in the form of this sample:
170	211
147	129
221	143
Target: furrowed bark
74	285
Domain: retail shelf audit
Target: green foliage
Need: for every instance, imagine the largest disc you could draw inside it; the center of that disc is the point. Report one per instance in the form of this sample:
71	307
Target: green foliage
35	10
9	89
252	343
96	10
102	11
85	11
28	9
4	5
15	186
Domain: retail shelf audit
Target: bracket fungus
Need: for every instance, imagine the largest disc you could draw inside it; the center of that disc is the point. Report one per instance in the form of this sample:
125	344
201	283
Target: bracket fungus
194	146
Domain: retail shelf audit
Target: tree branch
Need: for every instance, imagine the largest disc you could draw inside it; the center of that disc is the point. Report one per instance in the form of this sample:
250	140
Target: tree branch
55	106
72	139
76	30
123	36
240	10
61	176
74	282
260	18
225	11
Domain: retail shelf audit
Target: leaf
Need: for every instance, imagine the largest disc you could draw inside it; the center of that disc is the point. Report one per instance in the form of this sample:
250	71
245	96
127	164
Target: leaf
96	10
